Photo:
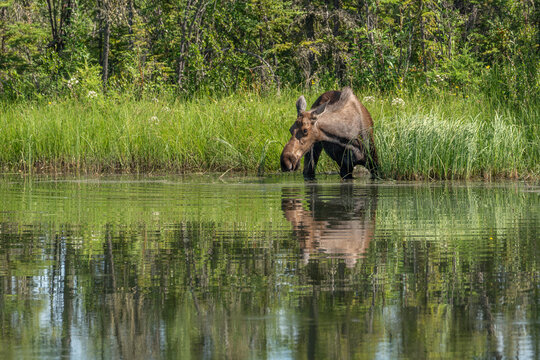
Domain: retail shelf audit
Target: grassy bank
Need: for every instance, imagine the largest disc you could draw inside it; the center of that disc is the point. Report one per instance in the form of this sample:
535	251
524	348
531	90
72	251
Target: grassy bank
442	136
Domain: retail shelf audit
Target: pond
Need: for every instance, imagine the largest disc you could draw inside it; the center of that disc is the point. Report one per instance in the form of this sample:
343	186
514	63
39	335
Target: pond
278	268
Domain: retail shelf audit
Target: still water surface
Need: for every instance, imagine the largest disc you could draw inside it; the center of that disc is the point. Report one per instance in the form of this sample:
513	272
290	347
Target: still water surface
276	268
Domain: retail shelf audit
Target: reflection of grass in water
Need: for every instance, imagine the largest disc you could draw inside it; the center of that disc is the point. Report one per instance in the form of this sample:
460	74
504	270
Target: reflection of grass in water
443	210
217	260
146	220
430	137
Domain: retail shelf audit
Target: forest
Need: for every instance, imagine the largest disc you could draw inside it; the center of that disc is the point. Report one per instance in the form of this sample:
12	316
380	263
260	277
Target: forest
63	47
191	76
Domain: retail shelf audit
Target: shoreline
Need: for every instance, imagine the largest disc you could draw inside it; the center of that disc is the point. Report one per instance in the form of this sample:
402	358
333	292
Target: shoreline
423	137
360	173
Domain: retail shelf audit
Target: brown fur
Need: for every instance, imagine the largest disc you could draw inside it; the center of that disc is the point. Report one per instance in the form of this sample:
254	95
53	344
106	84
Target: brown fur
338	123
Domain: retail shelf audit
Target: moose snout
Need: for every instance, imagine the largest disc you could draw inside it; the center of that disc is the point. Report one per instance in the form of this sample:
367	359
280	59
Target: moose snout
288	162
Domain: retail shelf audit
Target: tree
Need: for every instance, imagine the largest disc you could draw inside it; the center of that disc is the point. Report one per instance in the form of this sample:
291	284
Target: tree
60	12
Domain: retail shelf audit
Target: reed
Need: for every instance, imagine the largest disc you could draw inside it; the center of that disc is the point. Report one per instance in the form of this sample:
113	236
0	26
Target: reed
441	136
456	138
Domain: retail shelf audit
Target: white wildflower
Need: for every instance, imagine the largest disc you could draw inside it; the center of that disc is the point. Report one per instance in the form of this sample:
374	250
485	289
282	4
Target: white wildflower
154	120
398	102
439	78
92	94
72	82
155	100
166	109
369	99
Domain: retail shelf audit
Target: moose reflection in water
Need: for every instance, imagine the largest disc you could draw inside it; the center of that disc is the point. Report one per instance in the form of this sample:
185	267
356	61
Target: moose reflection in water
338	225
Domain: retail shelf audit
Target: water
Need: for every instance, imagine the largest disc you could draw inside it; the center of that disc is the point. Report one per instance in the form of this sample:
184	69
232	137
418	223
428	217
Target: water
202	267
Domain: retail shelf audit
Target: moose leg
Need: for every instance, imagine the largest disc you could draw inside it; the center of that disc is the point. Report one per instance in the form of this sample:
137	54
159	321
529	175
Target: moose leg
310	160
347	164
343	156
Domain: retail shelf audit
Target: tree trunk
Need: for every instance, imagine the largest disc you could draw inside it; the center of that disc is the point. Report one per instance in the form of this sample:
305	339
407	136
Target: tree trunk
261	40
62	10
3	20
65	20
52	20
130	23
422	35
369	23
339	64
190	24
105	55
181	60
180	65
310	36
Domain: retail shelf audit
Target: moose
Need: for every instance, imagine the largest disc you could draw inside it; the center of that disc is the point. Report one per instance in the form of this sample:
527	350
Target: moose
338	123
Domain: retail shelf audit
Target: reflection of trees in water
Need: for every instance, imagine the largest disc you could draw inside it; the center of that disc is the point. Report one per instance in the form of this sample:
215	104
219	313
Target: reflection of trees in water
201	287
181	300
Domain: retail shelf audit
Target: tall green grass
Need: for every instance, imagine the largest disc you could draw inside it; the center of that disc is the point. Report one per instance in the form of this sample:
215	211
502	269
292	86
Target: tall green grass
97	135
426	136
452	137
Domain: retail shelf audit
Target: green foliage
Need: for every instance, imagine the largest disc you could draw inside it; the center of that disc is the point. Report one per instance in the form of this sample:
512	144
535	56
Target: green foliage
461	72
250	51
85	82
216	47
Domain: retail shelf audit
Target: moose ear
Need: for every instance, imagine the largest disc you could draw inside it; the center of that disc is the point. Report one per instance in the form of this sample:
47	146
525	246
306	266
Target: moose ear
319	110
301	105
